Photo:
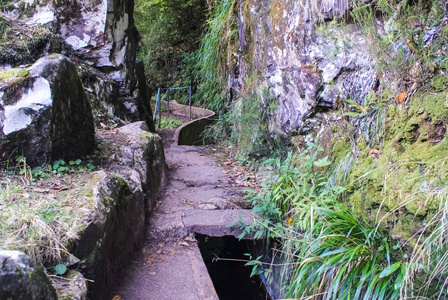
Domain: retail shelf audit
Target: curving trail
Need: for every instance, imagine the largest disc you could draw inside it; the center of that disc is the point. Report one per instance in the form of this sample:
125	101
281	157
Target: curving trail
199	198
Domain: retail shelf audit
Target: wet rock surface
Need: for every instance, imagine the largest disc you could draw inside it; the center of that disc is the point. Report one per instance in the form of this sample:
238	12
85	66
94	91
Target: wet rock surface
20	278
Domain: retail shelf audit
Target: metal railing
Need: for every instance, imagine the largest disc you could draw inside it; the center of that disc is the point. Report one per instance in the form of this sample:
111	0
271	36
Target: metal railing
159	100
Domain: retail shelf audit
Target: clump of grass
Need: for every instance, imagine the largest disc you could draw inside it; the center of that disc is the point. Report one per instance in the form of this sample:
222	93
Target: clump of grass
220	131
428	275
219	31
168	122
345	257
43	224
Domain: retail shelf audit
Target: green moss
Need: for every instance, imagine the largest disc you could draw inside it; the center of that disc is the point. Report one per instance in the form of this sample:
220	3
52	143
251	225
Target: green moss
410	157
147	135
445	31
13	73
357	201
404	227
433	104
168	122
439	82
23	73
391	112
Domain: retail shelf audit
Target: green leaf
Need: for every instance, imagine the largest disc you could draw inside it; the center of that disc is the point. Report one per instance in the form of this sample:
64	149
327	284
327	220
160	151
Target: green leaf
322	162
78	162
389	270
60	269
352	114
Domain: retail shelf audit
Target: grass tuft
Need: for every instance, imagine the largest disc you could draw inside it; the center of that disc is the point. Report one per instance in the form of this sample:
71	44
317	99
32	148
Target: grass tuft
42	223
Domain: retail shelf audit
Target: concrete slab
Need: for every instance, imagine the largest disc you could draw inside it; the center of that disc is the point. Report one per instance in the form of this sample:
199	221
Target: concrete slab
166	273
216	222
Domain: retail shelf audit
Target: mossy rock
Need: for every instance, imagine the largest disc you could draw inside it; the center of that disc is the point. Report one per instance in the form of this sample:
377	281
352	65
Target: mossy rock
433	105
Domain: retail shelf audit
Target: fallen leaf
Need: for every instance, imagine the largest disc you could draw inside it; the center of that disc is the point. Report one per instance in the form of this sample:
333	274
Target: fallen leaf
39	190
401	97
25	195
184	244
362	108
189	203
173	252
160	245
159	251
374	152
144	250
289	220
248	184
116	297
190	239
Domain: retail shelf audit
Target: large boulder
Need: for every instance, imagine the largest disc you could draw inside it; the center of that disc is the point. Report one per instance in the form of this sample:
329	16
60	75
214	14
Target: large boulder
20	278
45	114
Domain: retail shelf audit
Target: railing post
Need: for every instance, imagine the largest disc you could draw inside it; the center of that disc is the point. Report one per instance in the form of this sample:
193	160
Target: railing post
189	99
168	100
160	110
157	105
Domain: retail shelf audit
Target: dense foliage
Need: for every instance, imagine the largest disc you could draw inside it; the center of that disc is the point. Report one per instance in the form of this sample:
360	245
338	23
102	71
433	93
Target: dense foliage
171	32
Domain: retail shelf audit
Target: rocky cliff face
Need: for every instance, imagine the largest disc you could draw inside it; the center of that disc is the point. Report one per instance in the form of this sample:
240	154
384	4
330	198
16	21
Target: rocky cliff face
368	80
306	66
100	38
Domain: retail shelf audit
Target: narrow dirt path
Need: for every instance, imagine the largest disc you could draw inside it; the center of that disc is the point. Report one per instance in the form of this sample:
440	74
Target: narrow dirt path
198	198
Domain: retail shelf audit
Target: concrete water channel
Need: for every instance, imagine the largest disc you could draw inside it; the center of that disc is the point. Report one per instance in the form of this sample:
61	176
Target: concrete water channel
189	229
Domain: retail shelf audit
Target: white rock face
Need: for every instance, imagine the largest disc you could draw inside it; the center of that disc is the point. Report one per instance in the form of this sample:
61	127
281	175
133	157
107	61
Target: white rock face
46	114
19	115
43	15
89	26
100	30
306	65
